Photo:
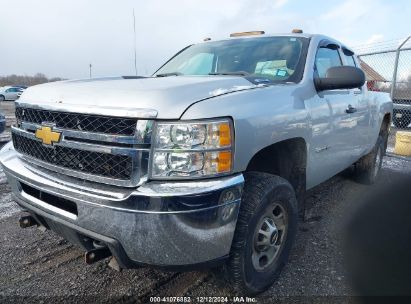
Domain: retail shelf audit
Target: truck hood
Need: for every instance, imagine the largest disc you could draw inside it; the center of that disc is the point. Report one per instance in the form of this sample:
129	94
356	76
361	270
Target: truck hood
164	97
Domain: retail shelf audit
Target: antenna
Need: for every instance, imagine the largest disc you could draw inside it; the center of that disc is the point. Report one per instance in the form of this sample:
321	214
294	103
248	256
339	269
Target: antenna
135	42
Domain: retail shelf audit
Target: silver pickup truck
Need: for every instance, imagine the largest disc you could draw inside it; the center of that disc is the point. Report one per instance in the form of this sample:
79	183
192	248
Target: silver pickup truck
206	162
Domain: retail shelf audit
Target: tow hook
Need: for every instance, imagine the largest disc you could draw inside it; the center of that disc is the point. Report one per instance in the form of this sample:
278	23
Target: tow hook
27	221
96	254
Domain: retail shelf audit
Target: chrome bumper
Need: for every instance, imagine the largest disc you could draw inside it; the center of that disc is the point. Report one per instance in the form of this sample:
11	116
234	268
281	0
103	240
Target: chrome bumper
162	224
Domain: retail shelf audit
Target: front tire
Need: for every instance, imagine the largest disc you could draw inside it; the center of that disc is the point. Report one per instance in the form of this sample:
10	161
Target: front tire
2	98
367	169
266	228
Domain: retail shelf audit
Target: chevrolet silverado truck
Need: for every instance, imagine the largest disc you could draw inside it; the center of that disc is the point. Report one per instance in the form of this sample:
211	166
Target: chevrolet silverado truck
203	164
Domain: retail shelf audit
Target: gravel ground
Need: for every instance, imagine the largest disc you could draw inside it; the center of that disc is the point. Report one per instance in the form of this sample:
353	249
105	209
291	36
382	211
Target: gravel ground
43	266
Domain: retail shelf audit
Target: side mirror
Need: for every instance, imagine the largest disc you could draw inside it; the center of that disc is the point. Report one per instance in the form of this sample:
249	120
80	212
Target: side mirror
341	77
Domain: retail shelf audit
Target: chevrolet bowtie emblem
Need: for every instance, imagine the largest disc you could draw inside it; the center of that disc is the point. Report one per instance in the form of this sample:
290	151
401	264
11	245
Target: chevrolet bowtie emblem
47	135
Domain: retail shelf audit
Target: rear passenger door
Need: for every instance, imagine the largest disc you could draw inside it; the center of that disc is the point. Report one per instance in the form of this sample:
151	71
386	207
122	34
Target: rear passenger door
362	110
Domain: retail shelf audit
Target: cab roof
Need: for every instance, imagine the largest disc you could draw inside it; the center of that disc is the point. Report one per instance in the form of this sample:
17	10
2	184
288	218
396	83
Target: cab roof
316	37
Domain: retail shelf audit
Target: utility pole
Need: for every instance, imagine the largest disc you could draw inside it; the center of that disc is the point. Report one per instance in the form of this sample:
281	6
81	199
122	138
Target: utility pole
135	42
90	69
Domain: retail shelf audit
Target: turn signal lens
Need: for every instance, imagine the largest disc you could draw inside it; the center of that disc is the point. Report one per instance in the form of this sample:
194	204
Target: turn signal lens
225	135
224	162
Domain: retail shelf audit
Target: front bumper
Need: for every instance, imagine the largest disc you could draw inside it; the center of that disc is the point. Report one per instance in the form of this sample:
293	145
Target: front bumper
161	224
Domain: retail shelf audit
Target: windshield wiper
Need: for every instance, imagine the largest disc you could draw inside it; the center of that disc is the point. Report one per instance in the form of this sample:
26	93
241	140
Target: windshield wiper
239	73
169	74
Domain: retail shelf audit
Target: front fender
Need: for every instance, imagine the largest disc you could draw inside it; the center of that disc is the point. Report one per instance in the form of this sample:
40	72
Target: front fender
262	117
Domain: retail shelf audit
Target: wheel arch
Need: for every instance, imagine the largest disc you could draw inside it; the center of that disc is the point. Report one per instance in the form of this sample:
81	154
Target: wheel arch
386	121
287	159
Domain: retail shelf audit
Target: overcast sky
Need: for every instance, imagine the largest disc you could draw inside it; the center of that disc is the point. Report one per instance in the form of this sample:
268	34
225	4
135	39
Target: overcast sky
61	38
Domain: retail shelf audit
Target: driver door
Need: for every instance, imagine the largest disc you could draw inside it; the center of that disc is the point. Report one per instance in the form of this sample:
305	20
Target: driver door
333	128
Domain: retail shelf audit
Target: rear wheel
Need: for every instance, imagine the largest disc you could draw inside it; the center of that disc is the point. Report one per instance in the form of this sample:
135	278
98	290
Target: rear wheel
264	234
368	168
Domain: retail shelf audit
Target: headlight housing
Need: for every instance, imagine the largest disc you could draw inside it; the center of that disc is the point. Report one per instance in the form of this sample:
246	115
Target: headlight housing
192	149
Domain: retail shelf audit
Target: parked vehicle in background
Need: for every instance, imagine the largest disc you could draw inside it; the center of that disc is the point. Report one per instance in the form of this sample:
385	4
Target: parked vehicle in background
19	93
402	112
204	163
10	93
2	122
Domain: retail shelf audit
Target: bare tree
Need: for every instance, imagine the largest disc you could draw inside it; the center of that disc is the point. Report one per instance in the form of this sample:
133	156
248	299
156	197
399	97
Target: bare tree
26	80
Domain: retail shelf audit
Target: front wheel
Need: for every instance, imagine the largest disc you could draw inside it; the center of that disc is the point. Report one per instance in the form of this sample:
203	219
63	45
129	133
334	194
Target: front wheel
265	231
2	98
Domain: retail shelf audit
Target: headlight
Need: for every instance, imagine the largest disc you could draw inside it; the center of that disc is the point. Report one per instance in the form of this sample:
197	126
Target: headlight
192	149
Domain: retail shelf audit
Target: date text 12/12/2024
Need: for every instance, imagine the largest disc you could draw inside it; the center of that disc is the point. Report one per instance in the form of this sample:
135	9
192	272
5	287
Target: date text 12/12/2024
203	300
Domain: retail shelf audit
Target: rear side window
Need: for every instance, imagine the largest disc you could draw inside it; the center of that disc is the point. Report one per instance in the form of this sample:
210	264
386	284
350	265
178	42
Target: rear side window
325	59
350	60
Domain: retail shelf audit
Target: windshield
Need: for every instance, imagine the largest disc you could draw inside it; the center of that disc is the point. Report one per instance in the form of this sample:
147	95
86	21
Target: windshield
275	58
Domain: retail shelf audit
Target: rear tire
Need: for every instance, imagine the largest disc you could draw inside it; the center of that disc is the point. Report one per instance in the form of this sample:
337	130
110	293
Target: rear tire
266	228
368	168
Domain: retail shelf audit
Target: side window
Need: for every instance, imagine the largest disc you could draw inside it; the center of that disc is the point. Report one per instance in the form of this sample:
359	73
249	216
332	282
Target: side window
325	59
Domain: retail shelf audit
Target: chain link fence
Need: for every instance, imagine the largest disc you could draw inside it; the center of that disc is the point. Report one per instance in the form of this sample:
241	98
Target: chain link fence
387	66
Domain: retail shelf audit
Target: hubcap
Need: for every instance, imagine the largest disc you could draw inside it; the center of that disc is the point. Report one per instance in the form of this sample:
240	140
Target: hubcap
269	237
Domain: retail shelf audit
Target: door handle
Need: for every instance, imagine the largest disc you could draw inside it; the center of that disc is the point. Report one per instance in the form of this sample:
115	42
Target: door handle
350	109
357	92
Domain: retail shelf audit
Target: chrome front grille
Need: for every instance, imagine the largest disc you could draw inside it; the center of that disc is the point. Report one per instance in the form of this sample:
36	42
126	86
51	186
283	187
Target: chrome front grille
78	121
112	150
102	164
